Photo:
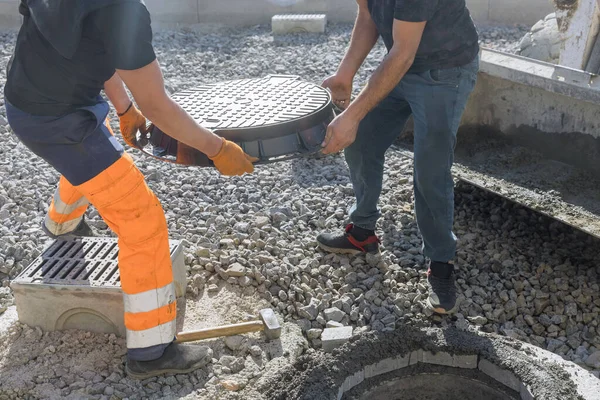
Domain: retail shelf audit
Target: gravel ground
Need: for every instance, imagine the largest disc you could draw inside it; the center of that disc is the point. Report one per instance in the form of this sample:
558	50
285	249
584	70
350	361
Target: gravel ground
521	275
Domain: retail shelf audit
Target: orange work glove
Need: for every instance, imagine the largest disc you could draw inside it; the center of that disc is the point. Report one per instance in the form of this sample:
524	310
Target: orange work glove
231	160
131	121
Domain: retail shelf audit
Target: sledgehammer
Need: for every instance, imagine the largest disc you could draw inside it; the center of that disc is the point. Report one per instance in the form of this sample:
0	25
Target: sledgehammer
268	323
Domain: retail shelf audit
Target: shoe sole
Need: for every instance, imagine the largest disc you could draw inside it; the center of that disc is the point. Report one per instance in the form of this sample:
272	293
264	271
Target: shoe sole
440	310
142	376
344	251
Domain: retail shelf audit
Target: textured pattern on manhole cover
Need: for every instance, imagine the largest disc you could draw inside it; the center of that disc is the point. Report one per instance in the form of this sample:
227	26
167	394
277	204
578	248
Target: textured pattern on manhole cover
247	103
84	261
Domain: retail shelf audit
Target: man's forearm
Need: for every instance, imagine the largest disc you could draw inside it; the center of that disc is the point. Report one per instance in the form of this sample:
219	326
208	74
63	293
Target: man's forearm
382	82
170	118
116	93
364	36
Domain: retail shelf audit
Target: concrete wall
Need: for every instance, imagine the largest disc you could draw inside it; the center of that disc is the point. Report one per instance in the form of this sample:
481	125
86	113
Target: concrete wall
167	13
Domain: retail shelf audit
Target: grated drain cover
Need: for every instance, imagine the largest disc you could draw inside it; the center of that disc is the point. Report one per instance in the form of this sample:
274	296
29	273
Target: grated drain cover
86	261
271	117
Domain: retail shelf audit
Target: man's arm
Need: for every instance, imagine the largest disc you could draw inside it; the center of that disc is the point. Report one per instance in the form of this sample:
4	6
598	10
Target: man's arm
116	93
147	87
407	36
363	39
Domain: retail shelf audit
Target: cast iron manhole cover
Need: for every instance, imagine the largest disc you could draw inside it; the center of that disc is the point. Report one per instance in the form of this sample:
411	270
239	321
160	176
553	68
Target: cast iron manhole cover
87	261
272	118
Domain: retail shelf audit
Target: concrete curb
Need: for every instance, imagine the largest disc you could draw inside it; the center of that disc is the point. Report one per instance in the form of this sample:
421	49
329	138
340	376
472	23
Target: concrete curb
253	12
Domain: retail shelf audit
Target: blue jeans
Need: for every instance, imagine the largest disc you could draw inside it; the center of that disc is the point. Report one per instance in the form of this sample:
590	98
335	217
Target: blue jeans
436	99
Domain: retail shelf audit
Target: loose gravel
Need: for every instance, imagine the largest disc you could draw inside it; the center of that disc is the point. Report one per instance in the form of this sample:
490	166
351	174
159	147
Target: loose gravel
520	274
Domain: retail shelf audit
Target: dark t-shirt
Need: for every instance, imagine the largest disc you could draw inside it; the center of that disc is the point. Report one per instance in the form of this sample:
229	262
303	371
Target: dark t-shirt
449	39
42	82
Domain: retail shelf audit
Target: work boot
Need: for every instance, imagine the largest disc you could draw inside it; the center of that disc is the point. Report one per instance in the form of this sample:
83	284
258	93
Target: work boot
177	358
81	230
354	240
442	288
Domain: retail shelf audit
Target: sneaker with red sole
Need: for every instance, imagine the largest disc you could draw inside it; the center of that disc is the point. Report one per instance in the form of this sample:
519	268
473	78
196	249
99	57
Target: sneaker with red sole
353	241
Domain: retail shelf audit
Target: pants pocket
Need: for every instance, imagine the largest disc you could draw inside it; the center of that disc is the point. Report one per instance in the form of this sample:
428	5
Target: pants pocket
445	76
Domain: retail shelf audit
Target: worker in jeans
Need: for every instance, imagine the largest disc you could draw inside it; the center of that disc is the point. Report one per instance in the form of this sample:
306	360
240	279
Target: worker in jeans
65	55
429	72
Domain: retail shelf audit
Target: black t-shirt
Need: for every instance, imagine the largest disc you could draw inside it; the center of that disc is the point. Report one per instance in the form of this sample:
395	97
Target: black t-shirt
449	40
42	82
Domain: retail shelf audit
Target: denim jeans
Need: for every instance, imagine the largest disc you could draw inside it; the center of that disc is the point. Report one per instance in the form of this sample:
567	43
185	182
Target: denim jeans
436	99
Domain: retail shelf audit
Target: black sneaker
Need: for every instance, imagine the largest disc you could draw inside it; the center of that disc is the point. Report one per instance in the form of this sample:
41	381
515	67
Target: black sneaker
354	240
442	288
81	230
177	359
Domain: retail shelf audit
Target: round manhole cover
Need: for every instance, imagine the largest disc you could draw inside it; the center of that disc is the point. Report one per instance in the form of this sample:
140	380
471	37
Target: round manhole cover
273	118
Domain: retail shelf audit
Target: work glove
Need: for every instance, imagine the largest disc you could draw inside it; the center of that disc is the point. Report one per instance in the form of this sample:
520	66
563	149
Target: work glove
130	122
231	159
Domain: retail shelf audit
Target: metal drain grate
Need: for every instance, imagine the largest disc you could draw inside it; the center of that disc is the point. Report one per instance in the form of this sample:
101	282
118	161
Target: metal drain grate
83	261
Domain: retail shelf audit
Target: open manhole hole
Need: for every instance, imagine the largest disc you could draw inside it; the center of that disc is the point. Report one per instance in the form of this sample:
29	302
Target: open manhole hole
273	118
413	363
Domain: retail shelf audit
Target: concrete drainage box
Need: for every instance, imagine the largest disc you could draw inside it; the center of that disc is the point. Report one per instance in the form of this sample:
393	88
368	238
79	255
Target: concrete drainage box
75	284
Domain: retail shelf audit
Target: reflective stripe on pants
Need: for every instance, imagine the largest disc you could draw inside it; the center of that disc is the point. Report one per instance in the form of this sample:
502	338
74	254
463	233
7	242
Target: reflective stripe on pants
66	209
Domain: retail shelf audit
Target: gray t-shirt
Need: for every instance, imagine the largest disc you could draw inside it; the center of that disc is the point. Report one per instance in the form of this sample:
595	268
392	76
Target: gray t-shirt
449	40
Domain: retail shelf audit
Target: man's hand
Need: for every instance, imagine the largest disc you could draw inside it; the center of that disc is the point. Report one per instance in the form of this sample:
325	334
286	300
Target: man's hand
341	133
130	122
340	89
231	160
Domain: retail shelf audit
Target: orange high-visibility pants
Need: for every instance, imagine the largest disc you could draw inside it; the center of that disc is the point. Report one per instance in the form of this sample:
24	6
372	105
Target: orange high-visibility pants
133	212
95	170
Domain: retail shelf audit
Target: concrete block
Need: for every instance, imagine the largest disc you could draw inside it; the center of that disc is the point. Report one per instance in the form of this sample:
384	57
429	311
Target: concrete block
76	285
503	376
439	358
294	23
353	380
525	393
335	337
464	361
387	365
416	357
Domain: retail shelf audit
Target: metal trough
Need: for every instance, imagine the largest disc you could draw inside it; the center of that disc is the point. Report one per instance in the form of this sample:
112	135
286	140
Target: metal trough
531	133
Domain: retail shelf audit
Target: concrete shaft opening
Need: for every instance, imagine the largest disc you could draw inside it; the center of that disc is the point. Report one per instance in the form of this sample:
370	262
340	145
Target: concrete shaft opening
432	382
414	363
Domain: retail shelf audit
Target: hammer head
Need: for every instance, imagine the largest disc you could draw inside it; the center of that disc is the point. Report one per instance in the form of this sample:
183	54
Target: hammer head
272	328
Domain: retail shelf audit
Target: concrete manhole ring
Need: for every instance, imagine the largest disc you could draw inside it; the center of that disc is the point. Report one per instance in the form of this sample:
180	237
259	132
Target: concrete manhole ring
431	363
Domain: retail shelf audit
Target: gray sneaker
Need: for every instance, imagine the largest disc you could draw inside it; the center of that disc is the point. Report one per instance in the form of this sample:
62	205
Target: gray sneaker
178	358
442	288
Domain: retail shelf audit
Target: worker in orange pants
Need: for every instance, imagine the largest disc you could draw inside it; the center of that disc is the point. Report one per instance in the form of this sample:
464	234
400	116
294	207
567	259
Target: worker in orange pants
64	57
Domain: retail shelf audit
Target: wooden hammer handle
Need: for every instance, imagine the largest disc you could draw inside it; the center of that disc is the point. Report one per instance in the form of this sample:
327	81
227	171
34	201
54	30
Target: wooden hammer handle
228	330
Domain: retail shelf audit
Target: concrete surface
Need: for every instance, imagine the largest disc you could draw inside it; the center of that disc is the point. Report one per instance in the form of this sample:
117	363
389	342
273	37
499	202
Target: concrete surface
420	387
55	307
252	12
297	23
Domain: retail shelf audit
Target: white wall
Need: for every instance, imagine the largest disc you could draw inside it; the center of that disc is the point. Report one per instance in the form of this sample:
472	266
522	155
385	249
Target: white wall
253	12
